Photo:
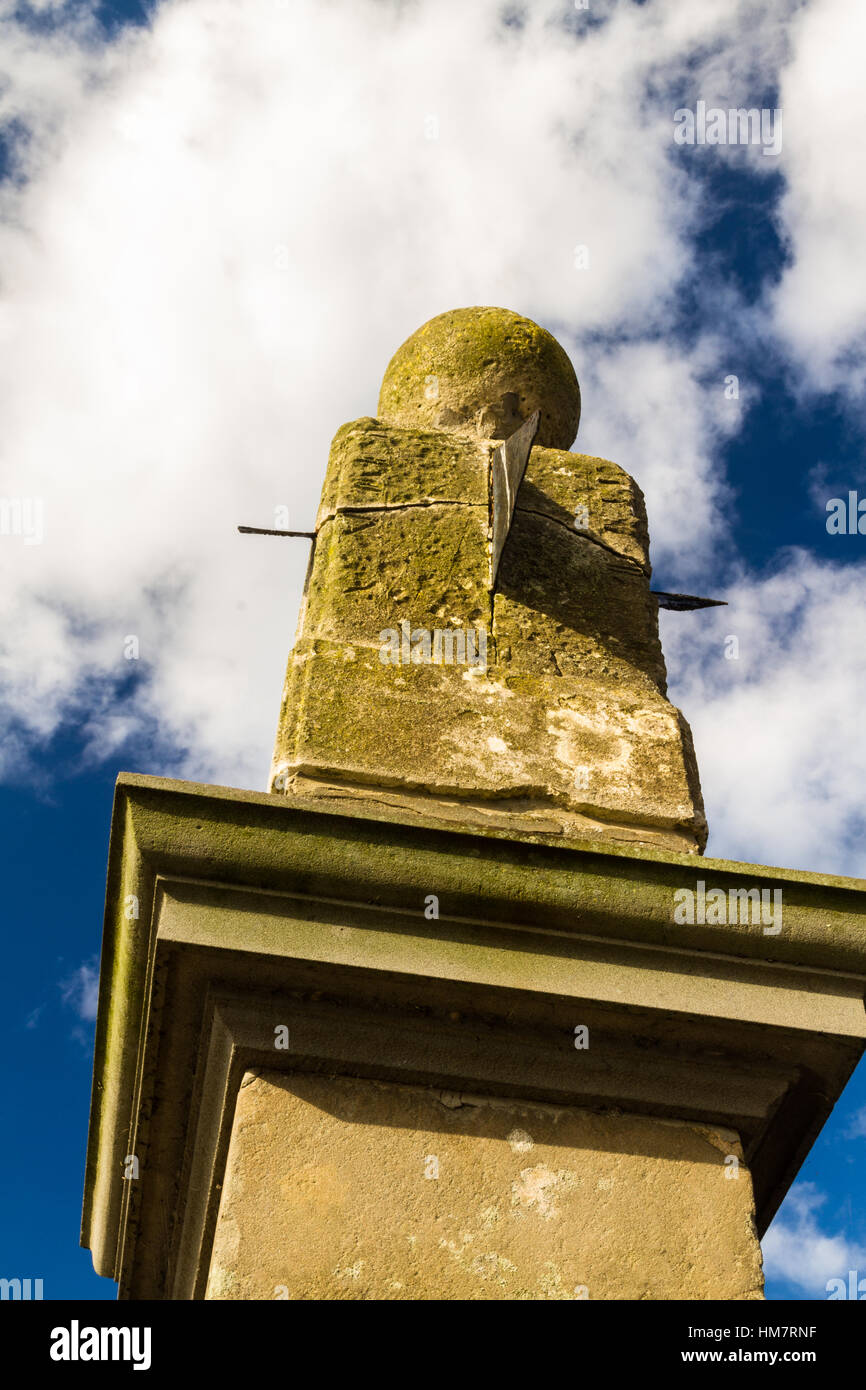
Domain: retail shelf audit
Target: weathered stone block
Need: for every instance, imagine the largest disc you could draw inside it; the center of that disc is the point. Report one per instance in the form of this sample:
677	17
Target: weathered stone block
566	718
453	731
338	1188
584	612
372	569
375	465
589	495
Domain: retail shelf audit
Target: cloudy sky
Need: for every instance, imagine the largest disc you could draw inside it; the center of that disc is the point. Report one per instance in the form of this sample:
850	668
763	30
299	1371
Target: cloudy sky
217	222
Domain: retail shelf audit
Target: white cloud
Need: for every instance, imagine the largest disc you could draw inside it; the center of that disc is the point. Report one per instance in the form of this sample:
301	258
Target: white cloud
778	730
81	990
221	229
797	1251
162	377
661	412
820	306
856	1127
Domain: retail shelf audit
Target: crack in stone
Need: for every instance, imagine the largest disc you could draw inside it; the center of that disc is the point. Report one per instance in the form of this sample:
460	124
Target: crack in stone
378	507
585	536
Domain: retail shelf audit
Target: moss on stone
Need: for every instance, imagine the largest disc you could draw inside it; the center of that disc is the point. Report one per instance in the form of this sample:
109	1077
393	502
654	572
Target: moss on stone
589	495
570	711
446	731
482	371
375	465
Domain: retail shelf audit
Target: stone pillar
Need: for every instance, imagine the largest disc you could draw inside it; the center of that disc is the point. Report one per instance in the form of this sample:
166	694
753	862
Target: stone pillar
308	1084
556	717
461	1012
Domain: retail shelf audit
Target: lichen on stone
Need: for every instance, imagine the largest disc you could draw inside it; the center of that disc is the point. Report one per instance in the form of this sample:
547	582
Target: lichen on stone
482	371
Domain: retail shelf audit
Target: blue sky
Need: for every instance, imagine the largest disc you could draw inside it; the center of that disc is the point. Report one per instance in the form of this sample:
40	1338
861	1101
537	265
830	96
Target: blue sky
210	246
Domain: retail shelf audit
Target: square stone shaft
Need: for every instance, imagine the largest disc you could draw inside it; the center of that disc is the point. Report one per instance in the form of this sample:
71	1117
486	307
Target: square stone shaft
557	714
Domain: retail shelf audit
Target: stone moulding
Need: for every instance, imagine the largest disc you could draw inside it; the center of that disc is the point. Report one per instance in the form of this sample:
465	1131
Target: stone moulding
230	913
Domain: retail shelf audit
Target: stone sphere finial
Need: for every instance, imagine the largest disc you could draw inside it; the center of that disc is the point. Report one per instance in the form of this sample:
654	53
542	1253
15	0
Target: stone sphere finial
482	371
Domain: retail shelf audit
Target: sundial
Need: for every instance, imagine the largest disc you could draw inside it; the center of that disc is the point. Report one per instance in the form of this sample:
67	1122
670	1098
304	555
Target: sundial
449	525
507	467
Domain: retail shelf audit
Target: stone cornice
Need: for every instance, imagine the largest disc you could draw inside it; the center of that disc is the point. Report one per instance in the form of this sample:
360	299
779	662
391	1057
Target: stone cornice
256	910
